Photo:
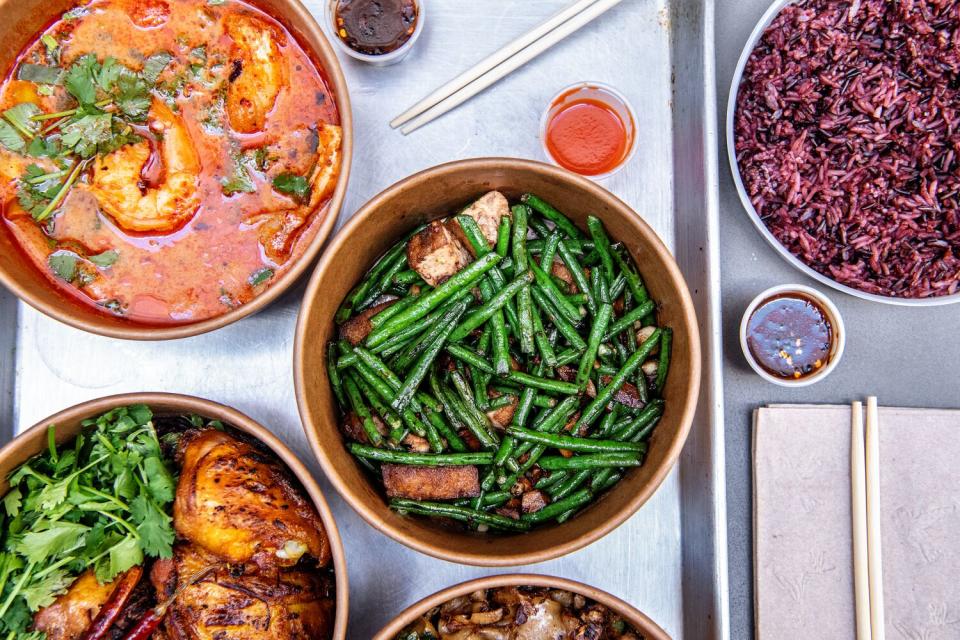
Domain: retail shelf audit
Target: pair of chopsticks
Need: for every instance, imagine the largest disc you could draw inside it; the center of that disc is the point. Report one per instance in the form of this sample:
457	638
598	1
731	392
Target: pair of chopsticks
501	63
865	493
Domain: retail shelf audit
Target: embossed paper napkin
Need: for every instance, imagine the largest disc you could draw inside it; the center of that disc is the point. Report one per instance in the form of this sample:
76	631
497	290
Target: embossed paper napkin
803	567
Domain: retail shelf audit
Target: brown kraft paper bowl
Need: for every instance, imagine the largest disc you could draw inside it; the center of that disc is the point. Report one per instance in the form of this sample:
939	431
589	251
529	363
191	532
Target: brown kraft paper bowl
436	193
639	621
34	441
22	19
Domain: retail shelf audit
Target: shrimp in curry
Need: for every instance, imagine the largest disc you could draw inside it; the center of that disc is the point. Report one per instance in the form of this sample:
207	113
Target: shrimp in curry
166	160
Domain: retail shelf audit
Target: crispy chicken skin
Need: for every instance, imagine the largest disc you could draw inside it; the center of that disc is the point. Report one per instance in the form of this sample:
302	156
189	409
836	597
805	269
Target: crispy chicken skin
240	601
71	613
430	483
258	72
240	504
436	254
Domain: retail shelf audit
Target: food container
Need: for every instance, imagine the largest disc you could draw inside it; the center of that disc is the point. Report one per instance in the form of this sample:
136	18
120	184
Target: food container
23	19
381	60
785	253
639	621
436	193
605	95
34	441
837	345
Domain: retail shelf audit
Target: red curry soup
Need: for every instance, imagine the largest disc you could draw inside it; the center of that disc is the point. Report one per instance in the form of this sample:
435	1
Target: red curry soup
166	160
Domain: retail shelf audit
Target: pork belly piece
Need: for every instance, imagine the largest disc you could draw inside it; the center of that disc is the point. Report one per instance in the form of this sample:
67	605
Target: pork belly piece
532	501
430	483
356	329
502	416
436	254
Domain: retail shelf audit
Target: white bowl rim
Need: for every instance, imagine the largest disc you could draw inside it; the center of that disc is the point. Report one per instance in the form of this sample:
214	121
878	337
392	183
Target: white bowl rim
836	320
775	8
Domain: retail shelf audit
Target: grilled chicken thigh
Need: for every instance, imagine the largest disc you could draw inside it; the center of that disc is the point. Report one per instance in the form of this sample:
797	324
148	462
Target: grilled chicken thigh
238	503
241	601
248	551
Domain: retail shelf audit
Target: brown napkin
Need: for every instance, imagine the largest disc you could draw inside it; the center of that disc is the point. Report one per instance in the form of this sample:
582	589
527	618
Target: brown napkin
803	563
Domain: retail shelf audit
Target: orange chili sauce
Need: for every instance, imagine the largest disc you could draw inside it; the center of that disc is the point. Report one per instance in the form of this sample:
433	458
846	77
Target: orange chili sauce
587	137
206	267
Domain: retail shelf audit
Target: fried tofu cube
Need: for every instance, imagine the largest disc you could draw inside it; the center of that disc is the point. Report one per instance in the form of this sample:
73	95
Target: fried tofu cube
487	212
436	254
430	483
356	329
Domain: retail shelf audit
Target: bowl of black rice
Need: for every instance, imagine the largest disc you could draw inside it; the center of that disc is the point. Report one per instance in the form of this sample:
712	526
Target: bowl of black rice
843	135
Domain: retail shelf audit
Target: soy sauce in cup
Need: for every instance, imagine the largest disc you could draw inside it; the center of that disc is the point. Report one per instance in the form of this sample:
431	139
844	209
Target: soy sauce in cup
792	335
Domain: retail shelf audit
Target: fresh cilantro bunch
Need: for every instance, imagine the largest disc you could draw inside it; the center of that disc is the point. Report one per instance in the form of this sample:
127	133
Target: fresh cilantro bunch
100	502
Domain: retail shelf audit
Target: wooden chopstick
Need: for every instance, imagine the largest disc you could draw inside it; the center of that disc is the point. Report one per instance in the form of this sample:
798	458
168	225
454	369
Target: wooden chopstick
874	553
509	65
491	61
858	495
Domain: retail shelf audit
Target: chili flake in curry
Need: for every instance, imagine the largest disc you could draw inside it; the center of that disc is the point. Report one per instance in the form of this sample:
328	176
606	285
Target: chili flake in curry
166	160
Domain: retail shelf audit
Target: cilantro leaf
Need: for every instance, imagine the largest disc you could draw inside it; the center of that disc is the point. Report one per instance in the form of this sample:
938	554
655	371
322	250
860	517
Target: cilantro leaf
132	95
293	185
107	74
155	65
80	79
160	481
153	526
37	187
53	495
10	138
39	73
105	259
84	135
64	265
12	502
123	555
44	591
41	147
260	276
239	181
37	546
20	116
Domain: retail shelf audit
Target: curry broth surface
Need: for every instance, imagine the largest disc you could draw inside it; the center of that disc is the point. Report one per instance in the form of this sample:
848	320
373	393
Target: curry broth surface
215	261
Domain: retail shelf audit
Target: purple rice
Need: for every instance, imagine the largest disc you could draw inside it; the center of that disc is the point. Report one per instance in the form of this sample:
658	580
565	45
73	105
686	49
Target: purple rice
847	135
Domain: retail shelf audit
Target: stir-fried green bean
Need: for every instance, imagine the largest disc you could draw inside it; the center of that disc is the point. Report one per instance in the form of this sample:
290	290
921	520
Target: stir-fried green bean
513	367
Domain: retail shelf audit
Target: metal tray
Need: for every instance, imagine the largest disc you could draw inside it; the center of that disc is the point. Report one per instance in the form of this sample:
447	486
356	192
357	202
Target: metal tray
670	558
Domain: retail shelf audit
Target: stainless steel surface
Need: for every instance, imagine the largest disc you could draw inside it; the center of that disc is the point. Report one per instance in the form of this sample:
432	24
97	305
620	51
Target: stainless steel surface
924	378
768	16
669	559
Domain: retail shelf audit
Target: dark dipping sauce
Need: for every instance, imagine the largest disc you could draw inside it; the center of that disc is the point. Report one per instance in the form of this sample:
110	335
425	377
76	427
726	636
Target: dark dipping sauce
375	27
790	336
